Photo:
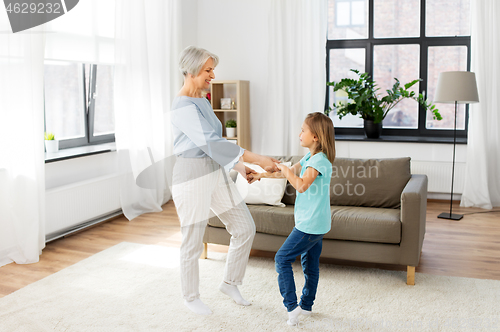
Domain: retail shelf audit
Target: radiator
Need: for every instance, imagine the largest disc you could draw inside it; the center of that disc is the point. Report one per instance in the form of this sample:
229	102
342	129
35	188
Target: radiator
439	175
71	206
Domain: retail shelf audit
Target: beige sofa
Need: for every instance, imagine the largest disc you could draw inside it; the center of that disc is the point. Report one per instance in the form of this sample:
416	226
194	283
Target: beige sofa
378	214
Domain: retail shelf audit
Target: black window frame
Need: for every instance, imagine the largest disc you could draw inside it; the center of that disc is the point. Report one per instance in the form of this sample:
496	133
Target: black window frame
425	42
89	114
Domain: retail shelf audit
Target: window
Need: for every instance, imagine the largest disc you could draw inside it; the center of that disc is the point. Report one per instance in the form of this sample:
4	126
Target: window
347	19
350	13
405	39
79	103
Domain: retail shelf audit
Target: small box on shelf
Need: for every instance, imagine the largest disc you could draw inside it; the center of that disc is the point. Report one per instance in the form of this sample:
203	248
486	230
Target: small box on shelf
225	103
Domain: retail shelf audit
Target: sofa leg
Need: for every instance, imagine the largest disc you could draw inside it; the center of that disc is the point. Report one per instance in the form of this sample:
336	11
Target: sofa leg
205	251
410	275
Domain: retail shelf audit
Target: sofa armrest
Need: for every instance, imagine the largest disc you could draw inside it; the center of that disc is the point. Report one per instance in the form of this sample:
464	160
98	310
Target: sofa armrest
413	218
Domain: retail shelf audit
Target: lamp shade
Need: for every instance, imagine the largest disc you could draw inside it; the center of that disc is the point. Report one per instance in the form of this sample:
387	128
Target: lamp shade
456	86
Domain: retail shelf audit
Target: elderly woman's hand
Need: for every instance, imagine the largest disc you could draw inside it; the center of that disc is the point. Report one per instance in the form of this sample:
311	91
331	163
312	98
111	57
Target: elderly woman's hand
250	174
269	164
251	178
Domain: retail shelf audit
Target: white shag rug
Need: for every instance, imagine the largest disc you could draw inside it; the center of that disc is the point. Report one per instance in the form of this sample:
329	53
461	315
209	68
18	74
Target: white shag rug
134	287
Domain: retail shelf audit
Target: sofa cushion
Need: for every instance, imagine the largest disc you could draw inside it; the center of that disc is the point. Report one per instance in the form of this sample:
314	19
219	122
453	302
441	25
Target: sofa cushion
369	182
268	219
348	223
361	182
365	224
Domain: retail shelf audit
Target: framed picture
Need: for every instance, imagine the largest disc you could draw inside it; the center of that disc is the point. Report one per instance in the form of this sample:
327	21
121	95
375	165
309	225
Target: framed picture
225	103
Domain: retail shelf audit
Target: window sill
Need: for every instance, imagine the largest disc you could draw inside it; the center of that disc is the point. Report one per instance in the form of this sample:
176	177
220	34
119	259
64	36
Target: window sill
405	139
82	151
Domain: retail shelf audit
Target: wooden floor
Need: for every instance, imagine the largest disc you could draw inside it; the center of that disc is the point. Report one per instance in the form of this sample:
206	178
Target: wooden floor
466	248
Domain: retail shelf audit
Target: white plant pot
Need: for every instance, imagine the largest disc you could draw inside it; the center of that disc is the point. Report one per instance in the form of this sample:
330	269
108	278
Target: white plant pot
230	132
52	146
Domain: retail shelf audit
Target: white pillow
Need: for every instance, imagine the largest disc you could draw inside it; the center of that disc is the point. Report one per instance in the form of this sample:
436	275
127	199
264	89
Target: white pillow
265	191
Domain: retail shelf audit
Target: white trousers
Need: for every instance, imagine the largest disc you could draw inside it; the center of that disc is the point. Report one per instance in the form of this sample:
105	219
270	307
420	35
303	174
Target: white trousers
200	185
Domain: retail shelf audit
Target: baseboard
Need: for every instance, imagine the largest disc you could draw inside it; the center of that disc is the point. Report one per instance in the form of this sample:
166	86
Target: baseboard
83	226
443	196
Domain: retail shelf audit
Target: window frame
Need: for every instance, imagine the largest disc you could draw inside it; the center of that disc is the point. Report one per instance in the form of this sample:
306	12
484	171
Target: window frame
424	42
93	139
89	114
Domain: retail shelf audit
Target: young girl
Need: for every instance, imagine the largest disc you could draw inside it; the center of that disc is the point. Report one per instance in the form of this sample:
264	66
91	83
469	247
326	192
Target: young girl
311	178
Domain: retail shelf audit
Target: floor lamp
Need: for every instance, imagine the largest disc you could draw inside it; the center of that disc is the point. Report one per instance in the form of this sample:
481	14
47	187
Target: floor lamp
457	87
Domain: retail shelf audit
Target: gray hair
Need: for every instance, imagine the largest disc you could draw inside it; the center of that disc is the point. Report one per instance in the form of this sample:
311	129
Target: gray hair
193	58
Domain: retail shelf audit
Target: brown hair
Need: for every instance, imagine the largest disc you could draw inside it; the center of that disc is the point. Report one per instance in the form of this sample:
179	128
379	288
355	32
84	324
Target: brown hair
322	127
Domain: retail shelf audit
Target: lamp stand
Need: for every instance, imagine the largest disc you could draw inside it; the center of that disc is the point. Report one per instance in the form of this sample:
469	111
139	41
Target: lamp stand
446	215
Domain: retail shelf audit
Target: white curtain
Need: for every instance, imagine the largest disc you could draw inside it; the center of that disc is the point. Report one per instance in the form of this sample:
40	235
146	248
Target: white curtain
84	34
146	81
297	71
482	180
22	173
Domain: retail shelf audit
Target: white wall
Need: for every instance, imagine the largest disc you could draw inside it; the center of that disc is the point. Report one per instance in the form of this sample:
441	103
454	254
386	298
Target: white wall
237	31
189	33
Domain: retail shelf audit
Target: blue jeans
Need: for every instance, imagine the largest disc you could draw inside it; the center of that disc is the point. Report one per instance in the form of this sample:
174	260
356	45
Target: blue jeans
309	247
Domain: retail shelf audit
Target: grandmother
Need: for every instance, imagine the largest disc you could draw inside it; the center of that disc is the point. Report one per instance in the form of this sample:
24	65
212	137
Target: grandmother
200	181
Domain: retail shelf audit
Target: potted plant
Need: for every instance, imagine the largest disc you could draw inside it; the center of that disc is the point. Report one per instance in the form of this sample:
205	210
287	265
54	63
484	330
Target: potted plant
230	128
365	102
51	144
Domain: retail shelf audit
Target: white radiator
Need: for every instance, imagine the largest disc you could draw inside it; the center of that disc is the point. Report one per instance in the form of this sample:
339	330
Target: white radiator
72	205
439	175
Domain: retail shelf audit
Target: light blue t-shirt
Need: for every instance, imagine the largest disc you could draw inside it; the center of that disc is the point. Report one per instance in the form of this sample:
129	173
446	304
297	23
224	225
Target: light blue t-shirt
198	132
312	207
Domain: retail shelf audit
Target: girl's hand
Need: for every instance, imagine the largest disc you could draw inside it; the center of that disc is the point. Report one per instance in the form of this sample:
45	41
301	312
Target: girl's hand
280	167
284	170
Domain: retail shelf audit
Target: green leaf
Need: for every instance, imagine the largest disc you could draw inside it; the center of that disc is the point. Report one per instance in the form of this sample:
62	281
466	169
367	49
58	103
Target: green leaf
412	83
230	123
49	136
